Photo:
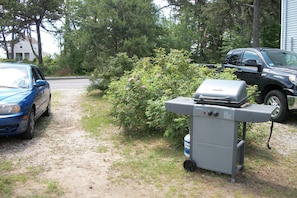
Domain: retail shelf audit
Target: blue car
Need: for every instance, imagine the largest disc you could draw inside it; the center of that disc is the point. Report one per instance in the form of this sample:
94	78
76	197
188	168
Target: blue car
24	96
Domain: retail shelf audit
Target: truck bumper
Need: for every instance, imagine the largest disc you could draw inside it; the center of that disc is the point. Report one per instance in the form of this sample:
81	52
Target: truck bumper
292	102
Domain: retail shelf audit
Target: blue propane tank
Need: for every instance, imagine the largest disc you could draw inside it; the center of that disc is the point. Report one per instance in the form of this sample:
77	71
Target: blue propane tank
187	146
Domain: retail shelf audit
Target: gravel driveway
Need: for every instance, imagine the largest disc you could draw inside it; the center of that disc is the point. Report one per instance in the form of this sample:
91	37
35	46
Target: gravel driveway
63	153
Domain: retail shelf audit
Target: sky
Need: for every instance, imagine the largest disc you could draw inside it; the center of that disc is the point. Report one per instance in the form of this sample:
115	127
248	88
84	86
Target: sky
50	45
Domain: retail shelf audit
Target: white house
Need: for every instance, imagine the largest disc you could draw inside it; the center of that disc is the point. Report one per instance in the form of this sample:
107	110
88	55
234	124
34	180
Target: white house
289	25
22	50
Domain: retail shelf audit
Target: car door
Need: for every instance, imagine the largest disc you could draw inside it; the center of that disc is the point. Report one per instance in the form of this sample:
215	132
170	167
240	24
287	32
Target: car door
41	92
239	59
250	73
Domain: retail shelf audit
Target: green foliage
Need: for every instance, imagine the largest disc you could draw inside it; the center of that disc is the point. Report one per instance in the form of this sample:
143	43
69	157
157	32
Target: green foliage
97	30
50	65
114	68
138	97
271	36
210	28
19	19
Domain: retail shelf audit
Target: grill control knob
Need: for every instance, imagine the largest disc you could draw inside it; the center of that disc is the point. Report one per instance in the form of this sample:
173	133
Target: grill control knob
209	113
215	114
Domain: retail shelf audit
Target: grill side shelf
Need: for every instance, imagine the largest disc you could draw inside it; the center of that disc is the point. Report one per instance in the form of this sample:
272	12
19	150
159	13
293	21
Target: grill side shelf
254	113
180	105
249	113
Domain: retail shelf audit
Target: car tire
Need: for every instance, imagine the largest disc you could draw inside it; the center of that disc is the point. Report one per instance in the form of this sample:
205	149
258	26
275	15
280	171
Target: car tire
48	109
30	131
277	98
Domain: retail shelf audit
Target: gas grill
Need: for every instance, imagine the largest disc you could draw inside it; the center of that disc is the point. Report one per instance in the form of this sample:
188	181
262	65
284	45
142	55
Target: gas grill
216	110
221	92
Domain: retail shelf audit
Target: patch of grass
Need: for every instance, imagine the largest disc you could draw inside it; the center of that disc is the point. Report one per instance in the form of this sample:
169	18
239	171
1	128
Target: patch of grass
102	149
8	179
56	96
44	121
6	188
96	114
5	166
35	170
54	189
150	161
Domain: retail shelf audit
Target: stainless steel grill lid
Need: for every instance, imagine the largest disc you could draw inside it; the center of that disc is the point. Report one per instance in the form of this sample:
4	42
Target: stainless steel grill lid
230	93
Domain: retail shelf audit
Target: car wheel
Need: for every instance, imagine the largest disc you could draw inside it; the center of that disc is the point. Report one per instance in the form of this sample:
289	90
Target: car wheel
277	98
29	133
48	109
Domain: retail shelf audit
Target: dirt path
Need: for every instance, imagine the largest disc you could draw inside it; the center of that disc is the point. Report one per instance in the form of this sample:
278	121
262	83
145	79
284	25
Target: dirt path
61	153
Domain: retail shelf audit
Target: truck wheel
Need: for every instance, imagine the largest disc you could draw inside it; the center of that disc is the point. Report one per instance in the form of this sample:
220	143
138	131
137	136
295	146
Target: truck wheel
277	98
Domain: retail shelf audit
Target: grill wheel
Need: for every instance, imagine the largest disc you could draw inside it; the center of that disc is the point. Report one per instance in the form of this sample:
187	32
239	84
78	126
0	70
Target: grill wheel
190	165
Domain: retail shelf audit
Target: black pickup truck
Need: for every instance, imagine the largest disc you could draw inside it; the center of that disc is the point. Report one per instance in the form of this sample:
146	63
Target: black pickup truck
275	73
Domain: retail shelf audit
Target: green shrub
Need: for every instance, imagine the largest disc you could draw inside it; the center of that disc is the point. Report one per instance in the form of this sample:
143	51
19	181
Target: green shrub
114	68
138	97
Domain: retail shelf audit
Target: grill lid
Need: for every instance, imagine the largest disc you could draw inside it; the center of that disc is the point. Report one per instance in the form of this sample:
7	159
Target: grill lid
230	93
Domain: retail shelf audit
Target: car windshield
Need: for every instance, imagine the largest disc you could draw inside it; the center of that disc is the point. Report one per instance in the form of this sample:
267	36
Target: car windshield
14	77
280	58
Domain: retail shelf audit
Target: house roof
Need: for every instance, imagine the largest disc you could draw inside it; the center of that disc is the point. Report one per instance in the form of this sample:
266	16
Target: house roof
34	41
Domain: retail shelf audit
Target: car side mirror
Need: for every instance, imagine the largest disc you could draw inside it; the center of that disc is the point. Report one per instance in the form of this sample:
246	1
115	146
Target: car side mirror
253	63
250	62
40	83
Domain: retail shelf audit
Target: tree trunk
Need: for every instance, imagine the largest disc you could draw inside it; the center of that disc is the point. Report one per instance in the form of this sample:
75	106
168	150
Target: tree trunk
256	24
12	44
5	44
40	60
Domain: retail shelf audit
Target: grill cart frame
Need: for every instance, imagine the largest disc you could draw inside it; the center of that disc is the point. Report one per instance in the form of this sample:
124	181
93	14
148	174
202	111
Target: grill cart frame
215	144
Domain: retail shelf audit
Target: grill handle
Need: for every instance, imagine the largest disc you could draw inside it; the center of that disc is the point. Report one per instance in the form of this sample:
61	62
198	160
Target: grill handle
212	98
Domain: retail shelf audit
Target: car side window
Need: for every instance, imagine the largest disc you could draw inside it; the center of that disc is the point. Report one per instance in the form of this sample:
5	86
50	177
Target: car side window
36	75
234	58
40	74
291	59
248	55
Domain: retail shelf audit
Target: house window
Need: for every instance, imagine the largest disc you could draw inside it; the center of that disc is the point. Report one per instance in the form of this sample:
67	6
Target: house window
27	56
19	56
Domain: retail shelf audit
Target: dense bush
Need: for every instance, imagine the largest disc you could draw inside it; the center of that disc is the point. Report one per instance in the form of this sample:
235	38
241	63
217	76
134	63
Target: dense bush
50	65
113	68
138	97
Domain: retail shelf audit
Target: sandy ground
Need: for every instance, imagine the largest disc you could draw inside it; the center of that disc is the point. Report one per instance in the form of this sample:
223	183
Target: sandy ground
64	154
